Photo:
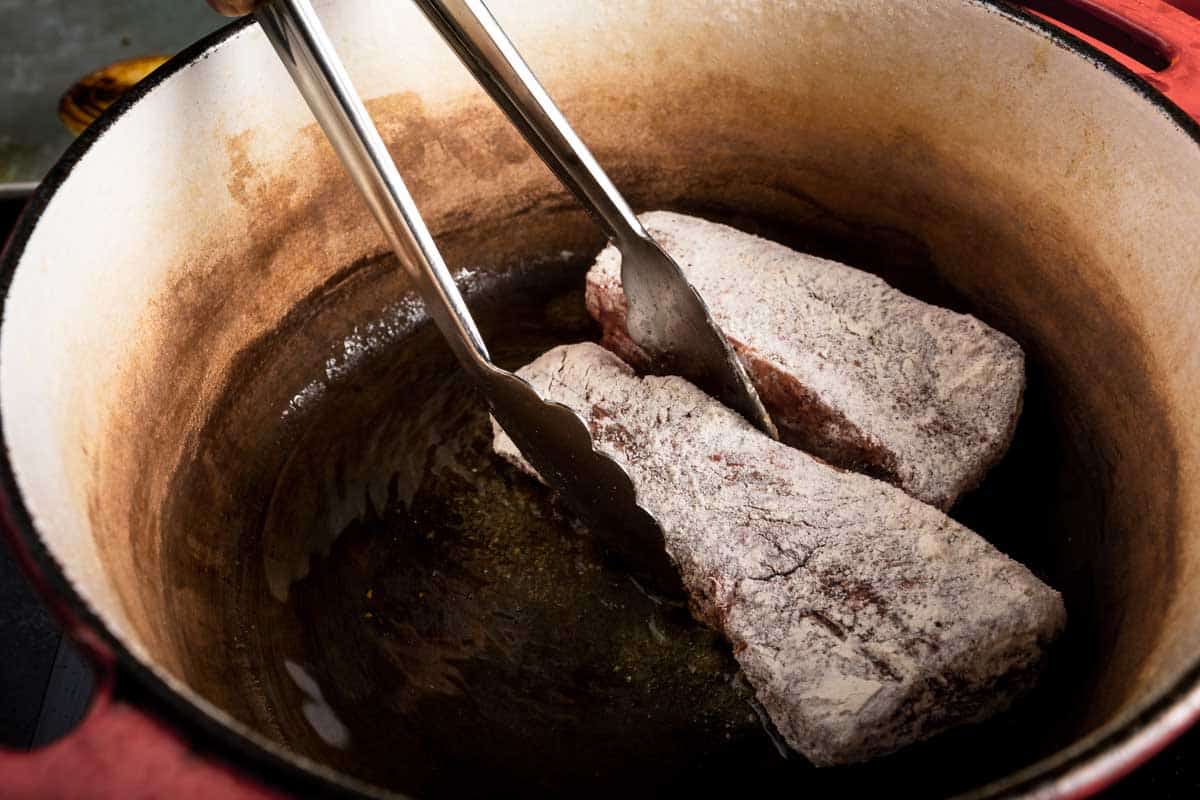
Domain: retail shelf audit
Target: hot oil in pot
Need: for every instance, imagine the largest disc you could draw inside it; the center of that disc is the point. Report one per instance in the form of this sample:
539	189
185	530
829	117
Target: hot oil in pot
402	605
437	625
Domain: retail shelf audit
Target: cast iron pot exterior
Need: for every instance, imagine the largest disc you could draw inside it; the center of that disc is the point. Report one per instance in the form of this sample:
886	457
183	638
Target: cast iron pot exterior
103	285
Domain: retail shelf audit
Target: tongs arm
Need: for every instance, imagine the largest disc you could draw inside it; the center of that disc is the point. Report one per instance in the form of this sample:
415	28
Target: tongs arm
305	50
483	47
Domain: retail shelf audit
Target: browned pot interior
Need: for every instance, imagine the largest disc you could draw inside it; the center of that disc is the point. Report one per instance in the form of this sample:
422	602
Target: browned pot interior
295	501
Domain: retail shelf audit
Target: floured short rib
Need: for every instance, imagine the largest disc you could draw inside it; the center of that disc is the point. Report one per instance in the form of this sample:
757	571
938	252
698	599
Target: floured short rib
864	619
850	369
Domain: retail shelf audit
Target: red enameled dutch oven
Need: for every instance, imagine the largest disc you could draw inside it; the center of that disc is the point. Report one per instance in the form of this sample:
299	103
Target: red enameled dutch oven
1048	181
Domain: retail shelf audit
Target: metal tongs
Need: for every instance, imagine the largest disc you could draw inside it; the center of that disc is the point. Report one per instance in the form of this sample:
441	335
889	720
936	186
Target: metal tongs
666	316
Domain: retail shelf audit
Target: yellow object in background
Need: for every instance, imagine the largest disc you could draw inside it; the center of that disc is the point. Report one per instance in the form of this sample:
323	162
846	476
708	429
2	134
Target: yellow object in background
96	91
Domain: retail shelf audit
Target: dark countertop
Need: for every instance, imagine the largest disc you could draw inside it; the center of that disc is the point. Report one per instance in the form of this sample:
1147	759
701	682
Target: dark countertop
44	685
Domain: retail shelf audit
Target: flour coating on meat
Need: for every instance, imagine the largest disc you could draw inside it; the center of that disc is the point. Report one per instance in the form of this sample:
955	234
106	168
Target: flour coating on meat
850	369
864	619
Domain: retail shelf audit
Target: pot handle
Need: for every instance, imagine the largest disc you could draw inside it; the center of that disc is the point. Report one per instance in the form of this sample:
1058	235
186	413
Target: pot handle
118	749
1173	32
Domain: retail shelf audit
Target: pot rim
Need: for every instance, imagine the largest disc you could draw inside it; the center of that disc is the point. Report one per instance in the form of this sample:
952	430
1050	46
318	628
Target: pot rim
244	750
1082	768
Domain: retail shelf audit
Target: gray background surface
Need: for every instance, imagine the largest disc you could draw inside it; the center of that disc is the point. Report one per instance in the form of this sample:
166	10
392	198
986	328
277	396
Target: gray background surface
46	45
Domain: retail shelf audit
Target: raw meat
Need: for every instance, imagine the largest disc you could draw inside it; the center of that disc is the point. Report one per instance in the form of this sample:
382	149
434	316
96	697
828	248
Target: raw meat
865	619
850	369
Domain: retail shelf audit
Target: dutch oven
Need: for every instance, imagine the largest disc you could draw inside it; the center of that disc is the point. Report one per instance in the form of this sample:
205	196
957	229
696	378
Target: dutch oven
245	474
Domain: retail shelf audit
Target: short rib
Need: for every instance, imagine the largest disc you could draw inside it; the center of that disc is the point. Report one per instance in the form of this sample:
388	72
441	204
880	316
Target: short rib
864	619
853	371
